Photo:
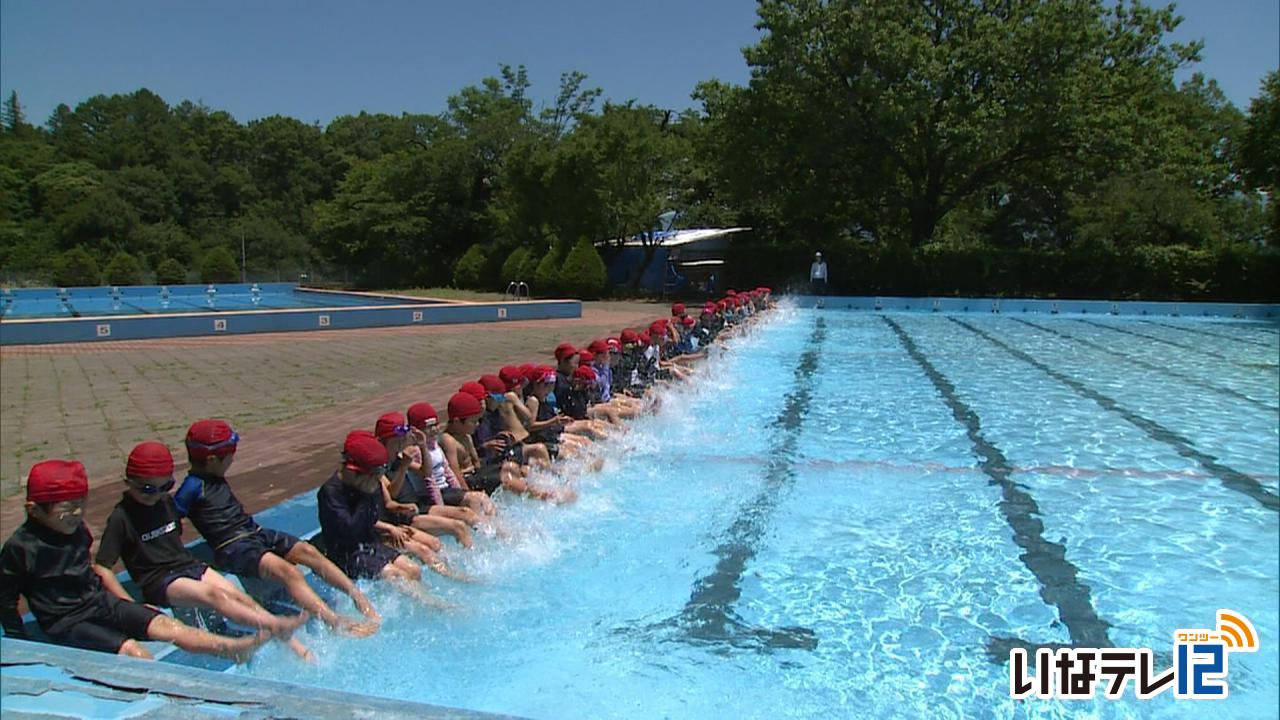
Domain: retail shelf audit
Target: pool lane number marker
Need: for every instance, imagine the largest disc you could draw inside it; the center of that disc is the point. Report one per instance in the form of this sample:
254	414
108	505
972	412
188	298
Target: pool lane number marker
709	618
1059	579
1230	478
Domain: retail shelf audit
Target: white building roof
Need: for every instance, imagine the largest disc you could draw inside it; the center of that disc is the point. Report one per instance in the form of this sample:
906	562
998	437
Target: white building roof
677	238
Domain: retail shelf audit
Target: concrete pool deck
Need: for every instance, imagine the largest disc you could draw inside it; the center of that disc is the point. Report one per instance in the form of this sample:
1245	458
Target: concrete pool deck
292	396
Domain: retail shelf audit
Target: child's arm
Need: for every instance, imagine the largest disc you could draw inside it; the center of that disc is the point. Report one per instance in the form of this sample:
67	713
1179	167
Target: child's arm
396	535
536	425
13	582
414	454
518	406
109	548
450	446
188	493
111	583
392	505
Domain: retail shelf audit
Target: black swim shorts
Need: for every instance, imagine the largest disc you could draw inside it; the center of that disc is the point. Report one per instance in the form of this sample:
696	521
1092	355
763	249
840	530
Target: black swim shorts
103	626
242	556
367	561
453	496
486	479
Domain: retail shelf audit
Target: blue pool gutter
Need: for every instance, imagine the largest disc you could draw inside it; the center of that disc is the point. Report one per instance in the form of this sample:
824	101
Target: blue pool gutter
412	311
1249	311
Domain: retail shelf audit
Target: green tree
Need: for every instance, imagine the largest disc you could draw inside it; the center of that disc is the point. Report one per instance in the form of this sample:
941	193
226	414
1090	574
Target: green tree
76	268
12	117
219	266
1146	209
882	116
1260	149
469	272
583	274
171	272
124	269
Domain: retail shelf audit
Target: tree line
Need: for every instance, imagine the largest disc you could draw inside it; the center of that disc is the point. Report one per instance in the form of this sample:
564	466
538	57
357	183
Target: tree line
1018	147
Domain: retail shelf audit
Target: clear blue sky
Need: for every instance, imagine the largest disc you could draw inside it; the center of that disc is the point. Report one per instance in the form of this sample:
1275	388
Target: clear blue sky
315	60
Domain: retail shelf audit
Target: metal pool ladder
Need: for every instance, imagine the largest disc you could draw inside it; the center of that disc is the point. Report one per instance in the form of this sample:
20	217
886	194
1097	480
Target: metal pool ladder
516	290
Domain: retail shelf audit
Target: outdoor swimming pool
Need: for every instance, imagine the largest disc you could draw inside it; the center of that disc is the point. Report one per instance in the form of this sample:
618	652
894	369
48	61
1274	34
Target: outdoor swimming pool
158	300
855	513
58	315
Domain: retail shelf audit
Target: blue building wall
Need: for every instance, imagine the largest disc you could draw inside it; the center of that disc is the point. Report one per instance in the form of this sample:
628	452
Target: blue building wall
623	263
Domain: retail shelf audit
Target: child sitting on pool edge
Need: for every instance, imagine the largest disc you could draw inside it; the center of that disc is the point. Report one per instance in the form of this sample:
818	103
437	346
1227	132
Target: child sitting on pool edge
144	531
46	561
349	505
242	547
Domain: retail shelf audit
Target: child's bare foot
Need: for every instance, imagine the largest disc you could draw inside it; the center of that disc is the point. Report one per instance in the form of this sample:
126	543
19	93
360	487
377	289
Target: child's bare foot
596	465
354	628
365	607
240	650
441	567
284	626
302	651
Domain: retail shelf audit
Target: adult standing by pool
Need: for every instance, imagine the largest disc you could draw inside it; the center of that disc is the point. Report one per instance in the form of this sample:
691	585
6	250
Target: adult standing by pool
818	275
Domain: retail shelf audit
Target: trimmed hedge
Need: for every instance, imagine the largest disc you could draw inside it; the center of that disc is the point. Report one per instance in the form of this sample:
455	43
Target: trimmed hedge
469	271
171	272
219	266
1236	273
546	276
76	268
124	269
583	274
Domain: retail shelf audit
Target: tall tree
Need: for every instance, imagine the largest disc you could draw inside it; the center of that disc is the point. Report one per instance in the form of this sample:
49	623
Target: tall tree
1260	148
907	108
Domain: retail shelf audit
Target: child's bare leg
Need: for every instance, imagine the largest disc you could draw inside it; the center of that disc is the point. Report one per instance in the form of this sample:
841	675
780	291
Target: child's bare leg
479	503
431	542
424	554
406	577
437	525
274	567
536	454
238	607
133	648
191	639
462	513
602	413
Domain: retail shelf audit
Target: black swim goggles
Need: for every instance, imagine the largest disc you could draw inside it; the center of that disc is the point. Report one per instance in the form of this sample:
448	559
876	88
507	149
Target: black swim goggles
149	489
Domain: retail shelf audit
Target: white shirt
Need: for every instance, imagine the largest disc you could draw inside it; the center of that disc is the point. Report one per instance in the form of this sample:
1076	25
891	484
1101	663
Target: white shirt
818	270
438	476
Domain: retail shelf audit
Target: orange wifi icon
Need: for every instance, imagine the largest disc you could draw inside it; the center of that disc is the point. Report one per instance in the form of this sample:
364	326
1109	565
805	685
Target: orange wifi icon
1236	631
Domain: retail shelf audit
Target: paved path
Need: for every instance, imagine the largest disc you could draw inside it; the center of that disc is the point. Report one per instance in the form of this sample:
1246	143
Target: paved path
291	396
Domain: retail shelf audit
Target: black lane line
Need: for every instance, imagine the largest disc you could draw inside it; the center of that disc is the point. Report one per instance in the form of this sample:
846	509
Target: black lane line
1151	366
1059	579
1231	479
1208	333
1171	343
708	617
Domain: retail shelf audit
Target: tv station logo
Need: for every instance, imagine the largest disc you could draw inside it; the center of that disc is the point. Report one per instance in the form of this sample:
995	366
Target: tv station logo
1199	670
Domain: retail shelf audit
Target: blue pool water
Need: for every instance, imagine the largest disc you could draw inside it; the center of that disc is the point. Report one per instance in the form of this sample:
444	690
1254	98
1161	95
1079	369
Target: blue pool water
151	300
817	530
